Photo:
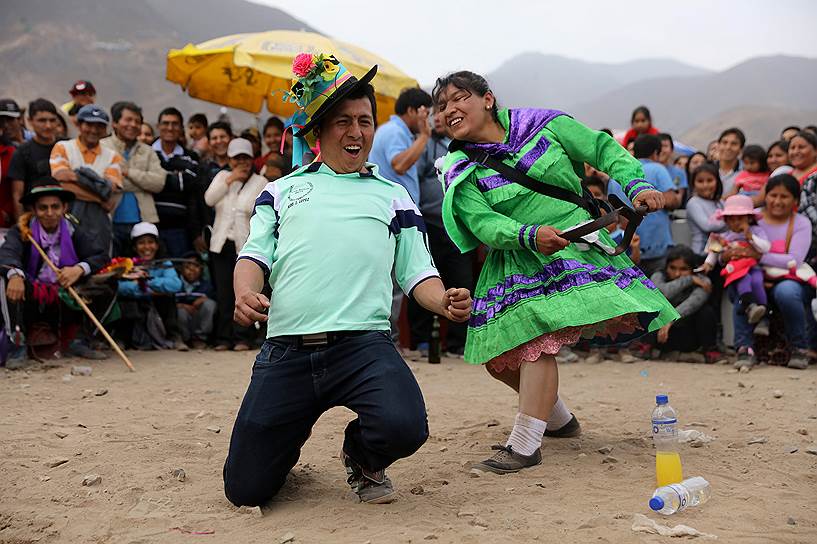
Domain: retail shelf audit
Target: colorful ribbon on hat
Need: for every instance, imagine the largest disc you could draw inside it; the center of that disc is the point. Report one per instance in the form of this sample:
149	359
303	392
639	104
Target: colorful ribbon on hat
317	77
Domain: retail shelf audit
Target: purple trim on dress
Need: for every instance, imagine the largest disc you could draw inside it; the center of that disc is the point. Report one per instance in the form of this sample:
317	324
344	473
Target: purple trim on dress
528	159
587	276
456	171
492	182
647	187
632	184
532	237
522	235
550	270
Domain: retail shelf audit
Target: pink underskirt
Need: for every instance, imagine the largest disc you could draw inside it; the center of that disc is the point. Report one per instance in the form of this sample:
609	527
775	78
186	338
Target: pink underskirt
551	342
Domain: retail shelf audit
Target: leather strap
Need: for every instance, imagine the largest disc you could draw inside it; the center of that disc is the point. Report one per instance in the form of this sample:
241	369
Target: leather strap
789	232
514	175
618	208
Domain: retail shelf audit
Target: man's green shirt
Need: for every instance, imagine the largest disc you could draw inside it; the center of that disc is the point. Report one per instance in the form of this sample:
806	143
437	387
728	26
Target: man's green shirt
329	243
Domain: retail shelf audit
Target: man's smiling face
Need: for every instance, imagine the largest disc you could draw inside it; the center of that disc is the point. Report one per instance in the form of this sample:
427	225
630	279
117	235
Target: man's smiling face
346	135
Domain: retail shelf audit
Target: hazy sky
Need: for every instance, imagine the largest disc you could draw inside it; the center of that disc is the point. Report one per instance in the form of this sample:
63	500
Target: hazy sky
426	38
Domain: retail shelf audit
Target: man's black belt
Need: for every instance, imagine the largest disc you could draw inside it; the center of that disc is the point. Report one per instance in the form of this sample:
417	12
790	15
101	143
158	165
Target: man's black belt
317	340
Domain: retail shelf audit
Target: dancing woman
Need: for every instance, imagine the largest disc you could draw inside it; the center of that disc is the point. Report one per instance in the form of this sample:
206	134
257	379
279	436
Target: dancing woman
536	291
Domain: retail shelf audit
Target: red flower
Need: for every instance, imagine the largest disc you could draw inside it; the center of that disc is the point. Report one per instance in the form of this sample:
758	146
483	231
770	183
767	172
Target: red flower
303	64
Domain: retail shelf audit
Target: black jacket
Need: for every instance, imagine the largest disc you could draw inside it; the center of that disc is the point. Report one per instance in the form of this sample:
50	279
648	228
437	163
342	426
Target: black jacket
176	202
14	253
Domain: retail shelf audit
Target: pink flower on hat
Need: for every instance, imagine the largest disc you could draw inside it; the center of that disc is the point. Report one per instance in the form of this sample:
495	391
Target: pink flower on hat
303	64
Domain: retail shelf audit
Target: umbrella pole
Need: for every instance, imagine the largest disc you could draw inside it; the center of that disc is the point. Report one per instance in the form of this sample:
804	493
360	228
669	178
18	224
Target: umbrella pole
84	306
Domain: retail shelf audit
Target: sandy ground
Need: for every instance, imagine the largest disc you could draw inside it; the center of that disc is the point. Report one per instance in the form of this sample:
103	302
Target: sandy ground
165	415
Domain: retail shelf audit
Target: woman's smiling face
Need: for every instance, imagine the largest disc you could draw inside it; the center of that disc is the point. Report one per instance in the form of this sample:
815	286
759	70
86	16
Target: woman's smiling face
780	202
464	113
801	153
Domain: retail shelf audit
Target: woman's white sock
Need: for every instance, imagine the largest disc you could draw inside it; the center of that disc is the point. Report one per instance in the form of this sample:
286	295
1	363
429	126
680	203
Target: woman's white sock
559	416
526	436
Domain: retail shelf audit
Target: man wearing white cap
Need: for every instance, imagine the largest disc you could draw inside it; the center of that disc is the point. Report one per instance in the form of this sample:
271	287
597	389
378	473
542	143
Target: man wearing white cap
232	193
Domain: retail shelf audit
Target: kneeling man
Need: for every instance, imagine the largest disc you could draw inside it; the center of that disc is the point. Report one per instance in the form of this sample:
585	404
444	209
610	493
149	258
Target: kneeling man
328	236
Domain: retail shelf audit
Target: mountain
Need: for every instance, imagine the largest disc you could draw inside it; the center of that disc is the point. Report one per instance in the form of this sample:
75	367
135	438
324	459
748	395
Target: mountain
552	81
214	18
761	124
119	45
680	103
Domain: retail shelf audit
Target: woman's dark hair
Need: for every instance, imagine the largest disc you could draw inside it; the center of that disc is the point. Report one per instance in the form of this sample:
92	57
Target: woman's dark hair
782	144
807	136
41	104
64	124
220	125
788	182
756	153
790	127
465	81
811	128
643	110
273	122
684	253
709	168
688	173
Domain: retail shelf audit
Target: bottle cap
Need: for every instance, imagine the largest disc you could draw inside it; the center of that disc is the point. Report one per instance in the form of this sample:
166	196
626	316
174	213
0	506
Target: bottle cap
661	399
657	503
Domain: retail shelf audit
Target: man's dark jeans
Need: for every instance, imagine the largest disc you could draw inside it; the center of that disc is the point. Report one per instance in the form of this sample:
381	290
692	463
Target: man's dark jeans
289	390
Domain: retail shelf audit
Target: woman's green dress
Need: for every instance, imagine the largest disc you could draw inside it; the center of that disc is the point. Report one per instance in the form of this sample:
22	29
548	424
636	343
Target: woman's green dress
522	294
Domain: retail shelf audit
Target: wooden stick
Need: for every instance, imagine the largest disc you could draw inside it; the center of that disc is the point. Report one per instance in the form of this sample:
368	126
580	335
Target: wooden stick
84	306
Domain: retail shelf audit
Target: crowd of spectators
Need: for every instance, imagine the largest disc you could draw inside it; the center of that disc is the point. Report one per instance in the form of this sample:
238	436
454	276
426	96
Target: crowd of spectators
146	219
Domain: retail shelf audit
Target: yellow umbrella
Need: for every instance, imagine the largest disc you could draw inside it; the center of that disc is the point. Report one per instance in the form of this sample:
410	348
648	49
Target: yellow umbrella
243	70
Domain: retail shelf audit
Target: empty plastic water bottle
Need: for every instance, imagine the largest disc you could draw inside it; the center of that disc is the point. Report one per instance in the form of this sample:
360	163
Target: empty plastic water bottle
674	498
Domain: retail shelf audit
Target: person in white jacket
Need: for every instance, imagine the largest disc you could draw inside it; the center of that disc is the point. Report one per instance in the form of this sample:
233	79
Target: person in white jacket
232	193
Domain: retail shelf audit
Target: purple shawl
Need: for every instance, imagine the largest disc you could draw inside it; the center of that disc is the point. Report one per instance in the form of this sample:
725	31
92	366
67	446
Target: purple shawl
524	125
68	257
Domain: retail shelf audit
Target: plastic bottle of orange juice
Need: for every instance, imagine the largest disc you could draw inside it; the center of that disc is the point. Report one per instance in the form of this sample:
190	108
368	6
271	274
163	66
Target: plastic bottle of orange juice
665	437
